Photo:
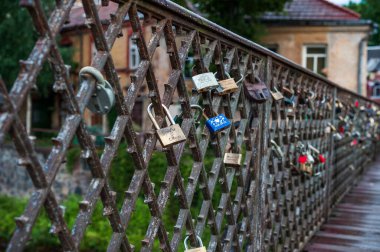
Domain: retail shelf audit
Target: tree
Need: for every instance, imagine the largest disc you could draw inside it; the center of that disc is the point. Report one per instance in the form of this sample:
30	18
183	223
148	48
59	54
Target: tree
241	17
369	9
18	38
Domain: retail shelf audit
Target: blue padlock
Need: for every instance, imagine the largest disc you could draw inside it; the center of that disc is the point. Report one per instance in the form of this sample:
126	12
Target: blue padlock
217	123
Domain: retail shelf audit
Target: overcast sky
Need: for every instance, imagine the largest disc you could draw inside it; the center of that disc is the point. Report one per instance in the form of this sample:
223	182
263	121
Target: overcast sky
341	2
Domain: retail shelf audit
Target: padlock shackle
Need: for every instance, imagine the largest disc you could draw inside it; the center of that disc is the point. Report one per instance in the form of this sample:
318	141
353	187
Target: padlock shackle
312	95
200	109
187	238
312	148
95	73
150	109
205	116
273	143
230	149
229	77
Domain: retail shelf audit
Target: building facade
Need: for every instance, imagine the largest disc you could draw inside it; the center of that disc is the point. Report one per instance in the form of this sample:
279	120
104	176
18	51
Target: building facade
76	35
323	37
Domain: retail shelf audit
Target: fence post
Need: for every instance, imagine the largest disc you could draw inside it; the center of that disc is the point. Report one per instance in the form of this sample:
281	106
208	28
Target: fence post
330	159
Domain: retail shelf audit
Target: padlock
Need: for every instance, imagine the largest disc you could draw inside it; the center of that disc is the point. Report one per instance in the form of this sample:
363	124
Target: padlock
302	160
228	85
103	97
338	107
337	136
308	168
217	123
178	119
205	82
257	92
310	99
170	135
289	97
276	95
276	149
291	112
232	159
201	248
332	127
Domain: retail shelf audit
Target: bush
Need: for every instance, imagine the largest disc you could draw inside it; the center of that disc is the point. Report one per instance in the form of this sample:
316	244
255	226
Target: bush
98	233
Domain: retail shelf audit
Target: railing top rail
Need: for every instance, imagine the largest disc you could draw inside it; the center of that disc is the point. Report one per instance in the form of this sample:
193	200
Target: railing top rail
184	14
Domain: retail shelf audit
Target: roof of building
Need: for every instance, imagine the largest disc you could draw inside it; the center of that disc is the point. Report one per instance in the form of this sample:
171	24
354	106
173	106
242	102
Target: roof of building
373	58
317	11
77	16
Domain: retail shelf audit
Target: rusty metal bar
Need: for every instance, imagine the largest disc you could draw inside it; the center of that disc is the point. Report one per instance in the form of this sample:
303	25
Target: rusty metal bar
265	204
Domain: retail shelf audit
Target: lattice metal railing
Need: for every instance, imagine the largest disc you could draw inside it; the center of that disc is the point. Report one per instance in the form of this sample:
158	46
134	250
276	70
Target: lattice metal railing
274	206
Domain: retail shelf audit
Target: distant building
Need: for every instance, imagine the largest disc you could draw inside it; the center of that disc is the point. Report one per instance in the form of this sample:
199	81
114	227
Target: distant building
124	53
326	38
373	68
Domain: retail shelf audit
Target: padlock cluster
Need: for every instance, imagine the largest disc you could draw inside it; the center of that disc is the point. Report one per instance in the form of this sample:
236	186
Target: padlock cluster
206	82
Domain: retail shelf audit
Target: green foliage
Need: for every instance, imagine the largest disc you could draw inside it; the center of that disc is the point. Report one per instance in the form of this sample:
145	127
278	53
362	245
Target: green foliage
18	38
369	9
98	233
241	17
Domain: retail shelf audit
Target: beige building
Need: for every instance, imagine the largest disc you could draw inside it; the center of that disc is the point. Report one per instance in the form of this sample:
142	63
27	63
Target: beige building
326	38
125	55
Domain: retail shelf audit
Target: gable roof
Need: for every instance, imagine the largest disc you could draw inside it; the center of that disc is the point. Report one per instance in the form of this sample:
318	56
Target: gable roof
314	10
77	17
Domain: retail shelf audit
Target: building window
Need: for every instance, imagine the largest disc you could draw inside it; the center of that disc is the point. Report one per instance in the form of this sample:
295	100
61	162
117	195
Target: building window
314	58
376	90
134	56
272	47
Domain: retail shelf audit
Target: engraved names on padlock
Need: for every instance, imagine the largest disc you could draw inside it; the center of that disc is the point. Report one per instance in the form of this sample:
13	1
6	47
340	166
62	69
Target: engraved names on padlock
227	86
276	95
232	159
205	81
170	135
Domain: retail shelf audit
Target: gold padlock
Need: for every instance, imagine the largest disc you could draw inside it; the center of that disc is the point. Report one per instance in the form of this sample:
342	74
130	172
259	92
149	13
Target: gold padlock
199	249
170	135
276	95
228	85
232	159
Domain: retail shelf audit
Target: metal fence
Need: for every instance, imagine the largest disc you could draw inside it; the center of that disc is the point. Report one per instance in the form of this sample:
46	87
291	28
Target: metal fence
267	203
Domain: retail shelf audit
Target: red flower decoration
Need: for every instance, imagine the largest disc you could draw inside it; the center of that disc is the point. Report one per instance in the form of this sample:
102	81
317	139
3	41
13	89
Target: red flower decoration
302	159
354	142
322	159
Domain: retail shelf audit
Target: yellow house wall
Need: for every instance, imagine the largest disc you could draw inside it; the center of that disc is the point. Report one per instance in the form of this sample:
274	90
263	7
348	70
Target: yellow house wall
342	49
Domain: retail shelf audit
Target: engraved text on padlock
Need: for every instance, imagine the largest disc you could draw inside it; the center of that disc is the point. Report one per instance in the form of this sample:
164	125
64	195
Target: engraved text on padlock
232	159
167	136
205	81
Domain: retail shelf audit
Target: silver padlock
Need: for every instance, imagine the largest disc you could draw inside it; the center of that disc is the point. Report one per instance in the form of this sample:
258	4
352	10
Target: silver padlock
103	98
204	82
170	135
201	248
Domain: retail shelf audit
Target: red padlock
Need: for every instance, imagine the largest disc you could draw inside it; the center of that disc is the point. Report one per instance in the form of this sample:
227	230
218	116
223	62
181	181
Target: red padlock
321	158
354	142
302	159
341	129
356	104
